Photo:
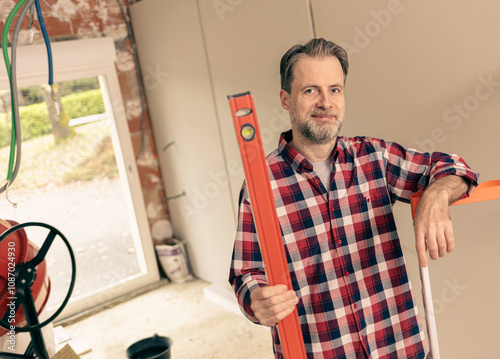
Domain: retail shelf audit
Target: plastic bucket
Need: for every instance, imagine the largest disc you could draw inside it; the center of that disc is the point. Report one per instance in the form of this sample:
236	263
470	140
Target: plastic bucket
155	347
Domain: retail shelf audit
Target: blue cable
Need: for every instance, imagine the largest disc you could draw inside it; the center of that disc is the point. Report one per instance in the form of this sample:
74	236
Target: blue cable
47	41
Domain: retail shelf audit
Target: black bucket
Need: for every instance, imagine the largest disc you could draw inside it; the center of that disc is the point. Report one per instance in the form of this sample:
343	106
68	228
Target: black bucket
155	347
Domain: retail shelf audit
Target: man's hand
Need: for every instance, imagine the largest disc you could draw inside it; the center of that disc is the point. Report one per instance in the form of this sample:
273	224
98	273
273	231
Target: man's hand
432	226
270	304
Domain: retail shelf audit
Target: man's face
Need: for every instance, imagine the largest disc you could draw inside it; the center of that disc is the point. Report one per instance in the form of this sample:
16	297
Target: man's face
316	101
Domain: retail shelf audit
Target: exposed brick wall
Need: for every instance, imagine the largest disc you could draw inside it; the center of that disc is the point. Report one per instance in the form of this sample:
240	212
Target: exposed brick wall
78	19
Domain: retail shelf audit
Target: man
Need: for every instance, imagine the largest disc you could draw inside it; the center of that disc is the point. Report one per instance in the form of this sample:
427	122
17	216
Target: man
334	198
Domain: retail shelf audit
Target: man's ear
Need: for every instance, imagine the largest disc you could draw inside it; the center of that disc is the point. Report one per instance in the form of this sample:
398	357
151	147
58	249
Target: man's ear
285	100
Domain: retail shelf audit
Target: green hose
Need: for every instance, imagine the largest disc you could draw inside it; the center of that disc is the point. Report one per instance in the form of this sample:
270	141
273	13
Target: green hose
5	35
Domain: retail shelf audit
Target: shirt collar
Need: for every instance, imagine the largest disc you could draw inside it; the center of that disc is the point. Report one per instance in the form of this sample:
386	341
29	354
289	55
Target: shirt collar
298	162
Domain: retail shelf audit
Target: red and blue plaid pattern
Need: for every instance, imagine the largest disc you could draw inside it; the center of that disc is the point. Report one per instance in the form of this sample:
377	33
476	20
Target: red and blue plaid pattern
343	251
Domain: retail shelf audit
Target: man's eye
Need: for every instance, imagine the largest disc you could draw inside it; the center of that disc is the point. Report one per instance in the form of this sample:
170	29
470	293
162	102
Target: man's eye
310	91
335	90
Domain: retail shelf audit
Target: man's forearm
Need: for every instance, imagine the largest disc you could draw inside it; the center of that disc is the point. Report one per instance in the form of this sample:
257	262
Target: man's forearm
454	187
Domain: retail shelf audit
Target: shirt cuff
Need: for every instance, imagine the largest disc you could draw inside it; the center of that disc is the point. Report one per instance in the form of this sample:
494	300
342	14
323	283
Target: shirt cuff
249	284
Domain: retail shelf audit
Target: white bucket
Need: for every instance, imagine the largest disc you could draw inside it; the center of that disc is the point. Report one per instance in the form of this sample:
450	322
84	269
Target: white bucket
174	261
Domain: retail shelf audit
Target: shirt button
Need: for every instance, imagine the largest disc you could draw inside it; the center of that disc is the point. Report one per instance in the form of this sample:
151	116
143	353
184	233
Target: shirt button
347	274
355	306
339	241
316	181
368	199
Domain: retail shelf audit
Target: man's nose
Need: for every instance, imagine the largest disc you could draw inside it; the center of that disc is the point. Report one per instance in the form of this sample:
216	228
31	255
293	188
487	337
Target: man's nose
324	101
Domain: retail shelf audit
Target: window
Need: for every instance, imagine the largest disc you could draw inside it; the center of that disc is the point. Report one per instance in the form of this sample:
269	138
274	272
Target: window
84	182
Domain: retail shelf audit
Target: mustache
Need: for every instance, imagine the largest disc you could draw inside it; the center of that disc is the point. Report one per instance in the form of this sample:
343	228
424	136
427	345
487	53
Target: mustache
325	113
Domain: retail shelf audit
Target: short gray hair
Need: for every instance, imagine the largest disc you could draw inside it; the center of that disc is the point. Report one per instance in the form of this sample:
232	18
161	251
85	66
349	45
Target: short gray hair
314	48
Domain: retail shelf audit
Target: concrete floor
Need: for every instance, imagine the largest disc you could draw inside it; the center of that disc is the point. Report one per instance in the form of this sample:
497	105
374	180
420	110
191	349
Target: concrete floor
198	327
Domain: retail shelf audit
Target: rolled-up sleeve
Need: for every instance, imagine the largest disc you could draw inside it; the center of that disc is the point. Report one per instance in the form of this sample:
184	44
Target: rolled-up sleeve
410	171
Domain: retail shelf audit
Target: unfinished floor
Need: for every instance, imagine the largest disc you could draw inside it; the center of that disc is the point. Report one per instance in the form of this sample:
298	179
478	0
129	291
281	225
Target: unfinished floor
198	327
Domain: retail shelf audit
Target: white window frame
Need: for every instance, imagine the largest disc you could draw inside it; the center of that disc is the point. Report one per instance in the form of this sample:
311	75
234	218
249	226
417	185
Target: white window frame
84	59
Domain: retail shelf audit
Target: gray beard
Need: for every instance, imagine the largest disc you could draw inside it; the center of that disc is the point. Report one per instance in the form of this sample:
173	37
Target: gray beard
317	133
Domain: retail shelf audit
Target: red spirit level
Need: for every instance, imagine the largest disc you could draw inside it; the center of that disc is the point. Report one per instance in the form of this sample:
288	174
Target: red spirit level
484	192
264	214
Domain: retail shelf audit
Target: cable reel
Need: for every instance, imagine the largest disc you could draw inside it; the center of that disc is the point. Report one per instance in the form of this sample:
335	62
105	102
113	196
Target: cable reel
25	285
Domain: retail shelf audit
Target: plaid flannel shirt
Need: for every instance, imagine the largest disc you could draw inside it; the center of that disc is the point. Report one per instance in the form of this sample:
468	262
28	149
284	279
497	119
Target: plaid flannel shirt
343	251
